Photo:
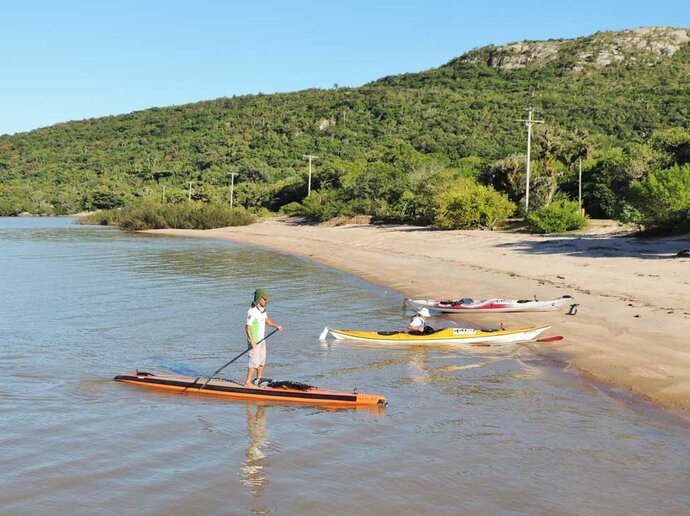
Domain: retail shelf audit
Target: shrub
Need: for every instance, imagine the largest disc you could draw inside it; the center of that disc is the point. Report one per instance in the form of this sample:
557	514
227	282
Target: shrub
469	205
377	180
103	199
415	208
293	208
559	216
378	208
262	213
10	205
153	215
627	213
101	218
663	199
321	206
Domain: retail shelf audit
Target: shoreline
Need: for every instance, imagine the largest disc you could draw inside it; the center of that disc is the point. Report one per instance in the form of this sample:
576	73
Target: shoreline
632	329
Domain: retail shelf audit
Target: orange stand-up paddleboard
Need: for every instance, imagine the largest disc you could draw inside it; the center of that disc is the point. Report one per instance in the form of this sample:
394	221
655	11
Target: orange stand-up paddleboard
272	391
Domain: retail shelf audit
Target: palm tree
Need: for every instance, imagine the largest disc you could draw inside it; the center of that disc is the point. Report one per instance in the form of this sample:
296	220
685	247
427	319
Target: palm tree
550	145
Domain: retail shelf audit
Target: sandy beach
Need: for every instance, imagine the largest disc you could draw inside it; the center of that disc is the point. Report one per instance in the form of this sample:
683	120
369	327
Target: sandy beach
632	327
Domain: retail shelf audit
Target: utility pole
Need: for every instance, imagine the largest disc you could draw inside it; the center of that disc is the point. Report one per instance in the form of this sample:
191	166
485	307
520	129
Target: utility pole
579	185
190	183
529	123
309	157
232	187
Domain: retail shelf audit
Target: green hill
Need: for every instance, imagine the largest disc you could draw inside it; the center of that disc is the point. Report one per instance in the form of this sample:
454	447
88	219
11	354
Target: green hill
374	143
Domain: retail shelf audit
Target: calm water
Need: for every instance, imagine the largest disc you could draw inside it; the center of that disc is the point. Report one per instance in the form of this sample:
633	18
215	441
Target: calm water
471	433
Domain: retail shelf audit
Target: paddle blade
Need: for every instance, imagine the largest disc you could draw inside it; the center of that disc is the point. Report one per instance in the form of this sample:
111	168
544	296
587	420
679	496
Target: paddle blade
324	334
550	339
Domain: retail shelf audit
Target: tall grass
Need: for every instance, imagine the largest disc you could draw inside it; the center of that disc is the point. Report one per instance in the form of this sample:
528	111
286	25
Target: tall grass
153	215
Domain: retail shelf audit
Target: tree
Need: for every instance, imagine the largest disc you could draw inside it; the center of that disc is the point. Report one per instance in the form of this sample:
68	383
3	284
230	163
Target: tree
550	145
507	175
102	199
663	198
603	184
674	144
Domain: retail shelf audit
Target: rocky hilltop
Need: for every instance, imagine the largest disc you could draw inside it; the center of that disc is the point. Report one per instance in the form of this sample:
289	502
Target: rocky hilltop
645	44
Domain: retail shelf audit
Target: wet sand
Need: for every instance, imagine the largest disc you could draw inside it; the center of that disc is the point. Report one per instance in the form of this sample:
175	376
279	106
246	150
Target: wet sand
632	327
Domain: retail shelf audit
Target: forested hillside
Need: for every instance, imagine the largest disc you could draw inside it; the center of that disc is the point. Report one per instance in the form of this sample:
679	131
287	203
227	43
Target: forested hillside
618	100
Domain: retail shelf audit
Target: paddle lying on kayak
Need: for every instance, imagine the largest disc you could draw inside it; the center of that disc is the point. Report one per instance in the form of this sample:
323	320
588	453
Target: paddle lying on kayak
497	305
456	336
286	391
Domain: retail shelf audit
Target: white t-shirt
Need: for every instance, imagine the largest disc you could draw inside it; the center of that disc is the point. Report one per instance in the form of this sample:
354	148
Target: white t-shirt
256	320
417	323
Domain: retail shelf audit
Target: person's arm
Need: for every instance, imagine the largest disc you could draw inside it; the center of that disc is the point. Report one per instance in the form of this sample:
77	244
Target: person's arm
272	324
248	329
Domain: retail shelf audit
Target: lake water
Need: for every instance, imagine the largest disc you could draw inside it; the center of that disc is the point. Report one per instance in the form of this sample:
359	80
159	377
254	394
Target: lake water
465	432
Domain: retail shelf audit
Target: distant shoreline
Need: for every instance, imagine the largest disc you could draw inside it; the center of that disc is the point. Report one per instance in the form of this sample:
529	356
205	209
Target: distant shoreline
633	321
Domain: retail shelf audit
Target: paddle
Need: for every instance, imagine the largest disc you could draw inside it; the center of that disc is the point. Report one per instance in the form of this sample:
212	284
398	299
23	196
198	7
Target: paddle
231	361
543	339
548	339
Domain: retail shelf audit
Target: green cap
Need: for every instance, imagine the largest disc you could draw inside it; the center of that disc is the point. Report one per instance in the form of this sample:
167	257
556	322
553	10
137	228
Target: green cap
259	293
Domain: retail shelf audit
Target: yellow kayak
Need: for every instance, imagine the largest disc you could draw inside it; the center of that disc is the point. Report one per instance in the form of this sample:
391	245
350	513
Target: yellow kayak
444	336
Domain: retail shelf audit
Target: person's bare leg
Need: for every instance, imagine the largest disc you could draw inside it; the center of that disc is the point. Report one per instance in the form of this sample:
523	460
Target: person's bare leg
260	372
248	379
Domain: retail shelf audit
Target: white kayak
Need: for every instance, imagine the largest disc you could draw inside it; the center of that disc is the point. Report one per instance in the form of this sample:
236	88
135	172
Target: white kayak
456	336
497	305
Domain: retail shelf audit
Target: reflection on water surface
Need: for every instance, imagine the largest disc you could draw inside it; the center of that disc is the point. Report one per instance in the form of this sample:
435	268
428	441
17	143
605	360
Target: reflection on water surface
465	432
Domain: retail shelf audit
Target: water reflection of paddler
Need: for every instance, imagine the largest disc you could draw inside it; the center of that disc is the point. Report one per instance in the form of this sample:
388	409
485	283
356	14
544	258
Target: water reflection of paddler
253	474
418	366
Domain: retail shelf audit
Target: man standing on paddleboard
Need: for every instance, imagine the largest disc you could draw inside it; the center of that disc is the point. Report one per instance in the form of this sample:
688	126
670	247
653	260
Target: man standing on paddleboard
257	319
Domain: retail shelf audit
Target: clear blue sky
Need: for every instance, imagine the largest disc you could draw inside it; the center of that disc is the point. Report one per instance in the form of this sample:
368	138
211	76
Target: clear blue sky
69	60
